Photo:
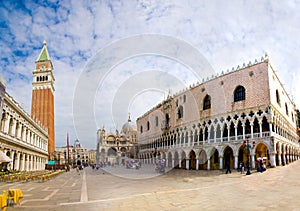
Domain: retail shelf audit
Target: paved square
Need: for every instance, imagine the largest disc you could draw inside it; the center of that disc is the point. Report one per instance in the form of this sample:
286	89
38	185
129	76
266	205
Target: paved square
275	189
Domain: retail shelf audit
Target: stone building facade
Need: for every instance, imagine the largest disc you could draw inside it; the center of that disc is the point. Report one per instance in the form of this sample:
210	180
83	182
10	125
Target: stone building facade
116	148
2	92
239	116
22	139
79	154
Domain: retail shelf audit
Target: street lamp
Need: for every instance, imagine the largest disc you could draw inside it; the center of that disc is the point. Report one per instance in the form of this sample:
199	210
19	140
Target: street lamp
249	147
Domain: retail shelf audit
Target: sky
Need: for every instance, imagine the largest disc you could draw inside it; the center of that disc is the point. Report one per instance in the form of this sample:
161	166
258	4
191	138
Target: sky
94	89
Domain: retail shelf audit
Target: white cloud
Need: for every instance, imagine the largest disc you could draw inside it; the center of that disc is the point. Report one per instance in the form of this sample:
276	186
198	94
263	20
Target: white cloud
226	33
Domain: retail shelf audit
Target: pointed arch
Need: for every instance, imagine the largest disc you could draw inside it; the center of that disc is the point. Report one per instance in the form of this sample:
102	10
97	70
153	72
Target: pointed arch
206	102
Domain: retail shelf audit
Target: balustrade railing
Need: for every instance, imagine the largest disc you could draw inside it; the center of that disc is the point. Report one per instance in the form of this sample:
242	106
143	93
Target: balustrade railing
211	141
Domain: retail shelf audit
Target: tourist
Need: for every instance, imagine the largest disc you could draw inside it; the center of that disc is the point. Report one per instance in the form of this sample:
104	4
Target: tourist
228	167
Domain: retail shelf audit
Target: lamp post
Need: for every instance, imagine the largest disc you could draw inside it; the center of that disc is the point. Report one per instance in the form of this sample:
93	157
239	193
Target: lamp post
249	147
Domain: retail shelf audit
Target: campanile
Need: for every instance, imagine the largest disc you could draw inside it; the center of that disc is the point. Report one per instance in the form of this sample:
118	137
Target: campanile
42	104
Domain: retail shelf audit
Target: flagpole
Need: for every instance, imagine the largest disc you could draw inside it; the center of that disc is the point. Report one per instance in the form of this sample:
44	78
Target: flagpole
68	149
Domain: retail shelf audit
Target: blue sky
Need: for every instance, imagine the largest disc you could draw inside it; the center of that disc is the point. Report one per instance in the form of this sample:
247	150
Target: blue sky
226	33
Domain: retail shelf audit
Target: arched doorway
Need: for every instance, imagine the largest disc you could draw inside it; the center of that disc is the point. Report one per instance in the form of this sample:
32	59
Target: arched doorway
202	160
192	160
262	153
214	160
244	155
228	157
112	155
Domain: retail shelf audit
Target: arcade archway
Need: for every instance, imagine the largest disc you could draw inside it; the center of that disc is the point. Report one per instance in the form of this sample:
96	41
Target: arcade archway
192	163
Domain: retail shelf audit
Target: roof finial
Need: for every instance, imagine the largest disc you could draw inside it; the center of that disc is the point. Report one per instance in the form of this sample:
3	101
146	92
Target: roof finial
45	42
129	120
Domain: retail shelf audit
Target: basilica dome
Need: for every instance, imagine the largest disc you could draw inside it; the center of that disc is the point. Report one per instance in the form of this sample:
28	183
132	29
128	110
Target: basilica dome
128	127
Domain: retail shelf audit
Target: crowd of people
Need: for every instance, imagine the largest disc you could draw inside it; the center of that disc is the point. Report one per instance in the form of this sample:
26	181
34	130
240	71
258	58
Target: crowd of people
160	166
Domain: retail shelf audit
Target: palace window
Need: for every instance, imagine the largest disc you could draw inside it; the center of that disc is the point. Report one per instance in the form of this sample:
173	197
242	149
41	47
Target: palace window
239	94
206	102
141	129
156	121
286	109
180	112
277	97
148	125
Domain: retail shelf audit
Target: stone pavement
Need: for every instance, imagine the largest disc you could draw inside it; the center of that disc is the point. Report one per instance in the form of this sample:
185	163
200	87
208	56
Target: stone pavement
276	189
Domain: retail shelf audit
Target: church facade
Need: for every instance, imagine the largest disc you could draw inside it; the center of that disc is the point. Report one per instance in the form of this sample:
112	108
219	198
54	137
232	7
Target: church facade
117	148
243	115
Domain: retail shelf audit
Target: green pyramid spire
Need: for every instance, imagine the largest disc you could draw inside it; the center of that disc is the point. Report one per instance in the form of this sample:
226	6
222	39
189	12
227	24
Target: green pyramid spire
44	56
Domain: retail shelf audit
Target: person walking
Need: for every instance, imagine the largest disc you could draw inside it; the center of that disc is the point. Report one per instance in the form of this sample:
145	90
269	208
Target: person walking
228	167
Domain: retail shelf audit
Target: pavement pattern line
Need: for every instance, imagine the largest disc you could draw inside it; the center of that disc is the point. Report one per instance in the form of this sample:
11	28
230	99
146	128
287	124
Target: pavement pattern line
146	194
84	194
30	189
44	199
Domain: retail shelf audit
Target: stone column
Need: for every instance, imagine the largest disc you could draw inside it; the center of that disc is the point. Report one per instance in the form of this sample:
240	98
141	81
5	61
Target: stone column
19	129
18	161
26	162
6	123
279	159
23	136
179	158
222	134
251	124
215	135
272	159
236	161
189	138
187	163
208	164
28	136
13	128
208	135
12	153
228	132
235	132
221	162
260	129
284	161
23	162
173	162
270	128
197	163
31	163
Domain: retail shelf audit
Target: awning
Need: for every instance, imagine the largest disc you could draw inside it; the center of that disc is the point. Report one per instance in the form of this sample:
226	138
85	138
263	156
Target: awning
4	158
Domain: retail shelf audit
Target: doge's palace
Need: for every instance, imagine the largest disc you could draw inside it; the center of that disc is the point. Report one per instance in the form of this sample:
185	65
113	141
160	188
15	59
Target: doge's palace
241	115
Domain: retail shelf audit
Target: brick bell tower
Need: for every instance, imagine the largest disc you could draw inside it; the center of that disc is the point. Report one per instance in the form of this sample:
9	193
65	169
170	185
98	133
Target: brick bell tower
42	104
